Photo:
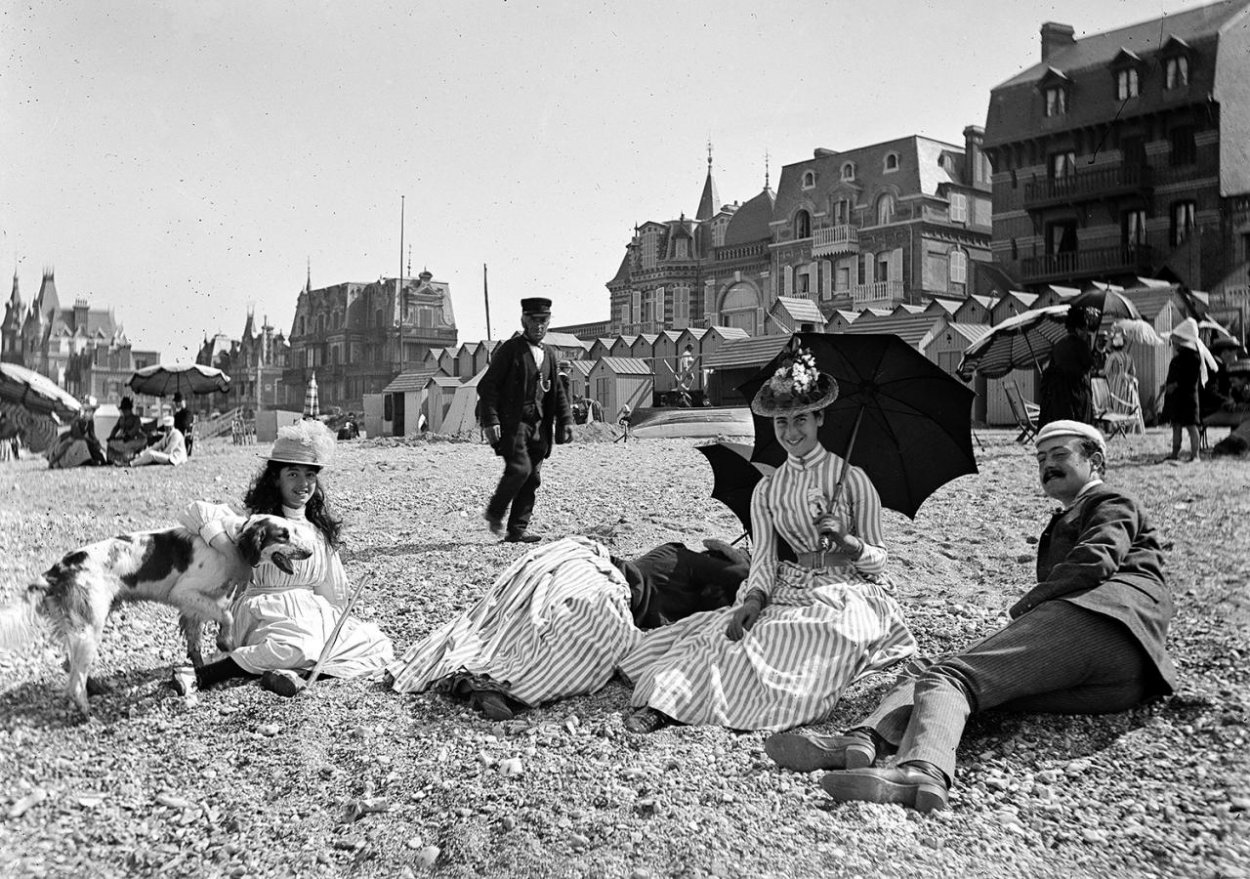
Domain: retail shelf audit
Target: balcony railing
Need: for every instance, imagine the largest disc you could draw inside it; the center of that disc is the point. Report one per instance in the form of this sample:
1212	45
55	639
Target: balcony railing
832	240
1127	258
1089	183
881	294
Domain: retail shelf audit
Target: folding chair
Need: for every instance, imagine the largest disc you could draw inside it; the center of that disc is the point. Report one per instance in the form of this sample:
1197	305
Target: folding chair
1022	410
1106	419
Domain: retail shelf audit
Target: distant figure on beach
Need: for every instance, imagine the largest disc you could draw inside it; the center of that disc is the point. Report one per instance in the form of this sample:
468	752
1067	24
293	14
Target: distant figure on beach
169	447
1065	390
1122	380
127	438
1089	638
184	421
1189	370
524	413
78	446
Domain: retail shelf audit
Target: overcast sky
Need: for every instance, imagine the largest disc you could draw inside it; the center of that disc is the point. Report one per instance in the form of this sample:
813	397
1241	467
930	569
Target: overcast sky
180	162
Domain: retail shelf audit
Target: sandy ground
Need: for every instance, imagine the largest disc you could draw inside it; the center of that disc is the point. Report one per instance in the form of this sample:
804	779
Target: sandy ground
349	779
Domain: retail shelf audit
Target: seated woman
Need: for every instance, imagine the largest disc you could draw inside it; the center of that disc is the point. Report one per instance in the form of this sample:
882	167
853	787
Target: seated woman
283	621
803	631
169	446
127	437
558	621
78	446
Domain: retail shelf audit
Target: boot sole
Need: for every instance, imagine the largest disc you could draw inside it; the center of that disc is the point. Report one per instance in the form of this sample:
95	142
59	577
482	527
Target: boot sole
850	787
803	755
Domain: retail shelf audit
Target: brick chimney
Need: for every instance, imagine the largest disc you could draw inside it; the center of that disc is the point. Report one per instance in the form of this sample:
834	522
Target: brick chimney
974	168
1056	37
80	313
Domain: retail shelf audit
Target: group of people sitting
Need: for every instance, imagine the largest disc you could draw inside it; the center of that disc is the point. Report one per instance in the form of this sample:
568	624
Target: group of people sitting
756	643
129	443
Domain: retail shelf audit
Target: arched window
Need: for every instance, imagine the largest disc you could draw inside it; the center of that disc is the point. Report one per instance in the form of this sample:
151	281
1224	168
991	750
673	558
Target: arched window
848	171
809	179
885	209
891	162
740	307
802	225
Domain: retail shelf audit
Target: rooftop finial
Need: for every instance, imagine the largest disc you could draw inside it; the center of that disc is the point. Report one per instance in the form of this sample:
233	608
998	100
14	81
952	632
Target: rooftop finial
766	183
709	154
308	279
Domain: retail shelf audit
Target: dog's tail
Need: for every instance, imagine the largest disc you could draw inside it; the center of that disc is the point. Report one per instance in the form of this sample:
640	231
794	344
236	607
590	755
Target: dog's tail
19	622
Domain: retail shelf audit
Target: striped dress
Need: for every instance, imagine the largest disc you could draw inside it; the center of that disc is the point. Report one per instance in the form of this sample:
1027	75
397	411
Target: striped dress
555	624
820	630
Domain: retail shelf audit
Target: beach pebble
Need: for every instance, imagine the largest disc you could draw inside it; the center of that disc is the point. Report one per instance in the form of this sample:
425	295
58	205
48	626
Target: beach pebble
428	856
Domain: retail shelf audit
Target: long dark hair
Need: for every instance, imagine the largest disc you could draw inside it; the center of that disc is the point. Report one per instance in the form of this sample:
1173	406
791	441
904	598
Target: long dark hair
265	496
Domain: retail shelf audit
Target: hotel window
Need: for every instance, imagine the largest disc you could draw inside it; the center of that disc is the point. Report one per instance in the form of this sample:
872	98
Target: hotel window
1184	150
1062	165
1056	100
883	267
802	225
841	212
959	267
1182	221
959	207
848	171
891	162
682	249
1133	227
885	209
809	179
1126	84
1176	72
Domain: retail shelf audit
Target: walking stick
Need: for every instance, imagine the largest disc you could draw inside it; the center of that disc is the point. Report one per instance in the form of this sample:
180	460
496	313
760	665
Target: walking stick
287	683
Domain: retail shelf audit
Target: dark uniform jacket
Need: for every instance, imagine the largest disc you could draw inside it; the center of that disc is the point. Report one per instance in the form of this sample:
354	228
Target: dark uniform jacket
1103	555
513	392
672	582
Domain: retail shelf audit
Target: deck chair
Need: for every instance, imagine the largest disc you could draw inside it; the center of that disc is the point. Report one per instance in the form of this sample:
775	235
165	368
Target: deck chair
1022	410
1106	419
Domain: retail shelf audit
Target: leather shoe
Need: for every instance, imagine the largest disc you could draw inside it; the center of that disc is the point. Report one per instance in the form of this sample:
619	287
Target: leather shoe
646	720
807	752
916	785
495	523
492	704
521	537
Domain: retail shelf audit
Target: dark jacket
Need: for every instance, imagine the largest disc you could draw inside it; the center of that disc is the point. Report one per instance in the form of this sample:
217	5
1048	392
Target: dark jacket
672	582
1180	395
1065	391
512	392
1103	555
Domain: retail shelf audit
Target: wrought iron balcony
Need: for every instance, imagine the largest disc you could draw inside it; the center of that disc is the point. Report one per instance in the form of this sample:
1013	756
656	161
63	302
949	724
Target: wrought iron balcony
1127	258
1087	184
832	240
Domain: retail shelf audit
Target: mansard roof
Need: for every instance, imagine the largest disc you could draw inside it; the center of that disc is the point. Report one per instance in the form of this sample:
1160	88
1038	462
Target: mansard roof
750	222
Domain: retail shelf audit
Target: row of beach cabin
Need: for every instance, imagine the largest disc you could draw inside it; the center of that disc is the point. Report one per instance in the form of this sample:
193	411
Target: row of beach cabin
440	395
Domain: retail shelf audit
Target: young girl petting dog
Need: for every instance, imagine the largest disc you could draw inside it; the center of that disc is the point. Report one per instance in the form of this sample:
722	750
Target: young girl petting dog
283	620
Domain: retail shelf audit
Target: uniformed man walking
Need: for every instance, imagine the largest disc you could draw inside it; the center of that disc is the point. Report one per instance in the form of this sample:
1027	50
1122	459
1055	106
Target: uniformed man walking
524	410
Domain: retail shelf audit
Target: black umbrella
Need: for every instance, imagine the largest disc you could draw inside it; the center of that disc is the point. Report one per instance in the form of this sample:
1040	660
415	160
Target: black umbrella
36	392
898	415
1109	300
734	476
184	378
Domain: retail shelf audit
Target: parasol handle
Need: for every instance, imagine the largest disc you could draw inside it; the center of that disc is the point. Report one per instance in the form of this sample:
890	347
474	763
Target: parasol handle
1032	353
825	543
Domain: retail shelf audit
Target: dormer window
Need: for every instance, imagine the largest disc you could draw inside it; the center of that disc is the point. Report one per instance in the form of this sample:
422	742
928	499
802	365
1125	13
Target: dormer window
891	162
809	179
1176	72
1055	88
1127	69
848	171
1126	84
1176	55
802	225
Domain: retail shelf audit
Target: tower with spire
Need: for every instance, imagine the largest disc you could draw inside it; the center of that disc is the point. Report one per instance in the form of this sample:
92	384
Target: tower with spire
11	350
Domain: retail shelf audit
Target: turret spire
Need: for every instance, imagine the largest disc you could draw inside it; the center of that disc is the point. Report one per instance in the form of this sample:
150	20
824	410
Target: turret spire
709	200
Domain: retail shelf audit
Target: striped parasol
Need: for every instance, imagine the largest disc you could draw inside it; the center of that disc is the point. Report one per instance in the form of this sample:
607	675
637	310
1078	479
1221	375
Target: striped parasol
312	408
1021	341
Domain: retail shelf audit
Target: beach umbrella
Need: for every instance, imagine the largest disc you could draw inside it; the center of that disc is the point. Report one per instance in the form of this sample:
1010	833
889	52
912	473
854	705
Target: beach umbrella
35	392
734	477
1108	299
1020	342
898	416
312	408
162	379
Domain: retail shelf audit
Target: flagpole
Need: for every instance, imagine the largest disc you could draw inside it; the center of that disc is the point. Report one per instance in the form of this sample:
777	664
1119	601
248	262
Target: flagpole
486	296
399	279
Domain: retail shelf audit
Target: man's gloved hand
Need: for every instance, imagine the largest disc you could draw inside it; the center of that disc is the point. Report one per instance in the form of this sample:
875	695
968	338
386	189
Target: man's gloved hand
493	434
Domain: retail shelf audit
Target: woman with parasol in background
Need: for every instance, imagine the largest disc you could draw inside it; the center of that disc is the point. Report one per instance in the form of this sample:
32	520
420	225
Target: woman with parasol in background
799	632
1065	391
1121	375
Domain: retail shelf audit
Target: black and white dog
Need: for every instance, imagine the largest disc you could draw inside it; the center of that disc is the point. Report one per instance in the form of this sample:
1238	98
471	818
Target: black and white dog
174	567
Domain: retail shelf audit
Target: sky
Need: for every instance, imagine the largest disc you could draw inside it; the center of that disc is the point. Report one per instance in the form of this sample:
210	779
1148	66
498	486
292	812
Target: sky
180	163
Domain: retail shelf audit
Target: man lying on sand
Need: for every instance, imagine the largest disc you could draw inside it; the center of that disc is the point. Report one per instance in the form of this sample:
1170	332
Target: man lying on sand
1089	638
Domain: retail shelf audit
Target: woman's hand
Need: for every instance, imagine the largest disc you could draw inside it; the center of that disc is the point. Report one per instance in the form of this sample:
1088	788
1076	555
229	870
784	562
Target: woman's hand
743	618
833	526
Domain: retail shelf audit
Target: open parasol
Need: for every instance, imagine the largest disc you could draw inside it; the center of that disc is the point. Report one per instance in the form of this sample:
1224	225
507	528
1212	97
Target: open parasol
35	392
734	477
1108	299
1020	342
898	415
163	379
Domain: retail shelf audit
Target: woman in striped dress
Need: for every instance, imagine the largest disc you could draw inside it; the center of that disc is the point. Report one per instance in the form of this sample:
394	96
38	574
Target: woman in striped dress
555	624
799	632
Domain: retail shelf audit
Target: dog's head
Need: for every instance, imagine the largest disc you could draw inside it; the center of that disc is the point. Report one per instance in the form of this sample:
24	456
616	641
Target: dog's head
272	539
